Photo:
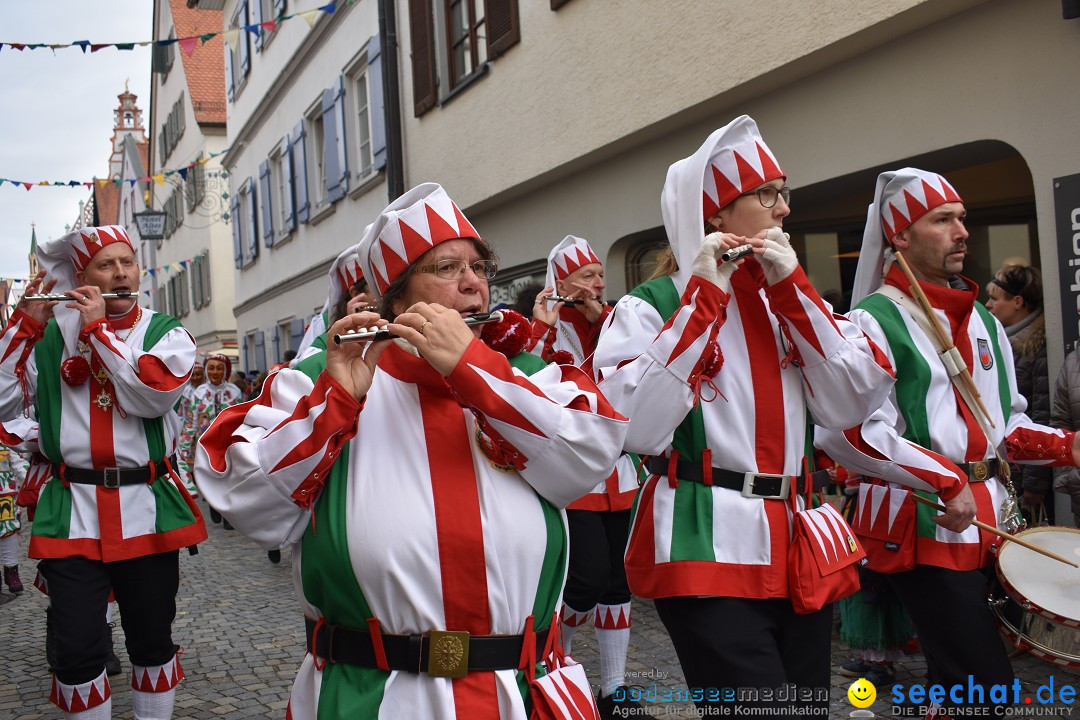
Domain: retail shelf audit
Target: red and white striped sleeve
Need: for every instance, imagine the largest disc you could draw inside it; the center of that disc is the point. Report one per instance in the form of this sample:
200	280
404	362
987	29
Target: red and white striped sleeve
262	463
875	447
648	369
20	434
18	369
845	374
148	382
555	426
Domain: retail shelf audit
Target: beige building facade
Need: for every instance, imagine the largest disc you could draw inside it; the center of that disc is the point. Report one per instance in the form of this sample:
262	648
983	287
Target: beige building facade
572	129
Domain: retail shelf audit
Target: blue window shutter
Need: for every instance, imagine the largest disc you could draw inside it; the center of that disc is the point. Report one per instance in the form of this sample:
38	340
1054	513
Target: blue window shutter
299	165
245	41
329	148
343	135
256	19
260	351
228	72
253	219
296	332
267	209
376	104
287	173
238	247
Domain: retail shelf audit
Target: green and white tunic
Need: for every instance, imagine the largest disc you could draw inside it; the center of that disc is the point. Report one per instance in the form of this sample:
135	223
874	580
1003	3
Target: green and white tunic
145	367
923	431
434	503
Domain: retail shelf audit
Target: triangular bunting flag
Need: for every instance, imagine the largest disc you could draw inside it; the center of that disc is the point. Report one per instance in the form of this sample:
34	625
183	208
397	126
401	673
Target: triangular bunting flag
189	44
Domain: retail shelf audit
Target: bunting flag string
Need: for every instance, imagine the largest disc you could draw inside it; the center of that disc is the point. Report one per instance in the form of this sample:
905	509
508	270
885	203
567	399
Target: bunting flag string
162	272
187	44
158	178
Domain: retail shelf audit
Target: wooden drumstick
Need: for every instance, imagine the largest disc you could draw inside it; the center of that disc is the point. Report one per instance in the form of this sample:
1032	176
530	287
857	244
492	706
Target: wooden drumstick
1000	533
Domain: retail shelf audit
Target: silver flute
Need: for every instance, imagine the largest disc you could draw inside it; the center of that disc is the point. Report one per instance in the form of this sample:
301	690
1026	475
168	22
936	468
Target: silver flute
563	300
61	296
375	335
735	253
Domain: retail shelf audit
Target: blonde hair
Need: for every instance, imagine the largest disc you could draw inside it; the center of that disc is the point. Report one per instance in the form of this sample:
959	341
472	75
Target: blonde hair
666	264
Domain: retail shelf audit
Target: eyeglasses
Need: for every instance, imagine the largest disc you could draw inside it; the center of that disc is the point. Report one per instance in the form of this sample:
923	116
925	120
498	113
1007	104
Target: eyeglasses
454	269
767	195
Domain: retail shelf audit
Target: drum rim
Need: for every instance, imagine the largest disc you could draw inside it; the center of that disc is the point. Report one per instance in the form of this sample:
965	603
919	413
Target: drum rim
1028	644
1019	597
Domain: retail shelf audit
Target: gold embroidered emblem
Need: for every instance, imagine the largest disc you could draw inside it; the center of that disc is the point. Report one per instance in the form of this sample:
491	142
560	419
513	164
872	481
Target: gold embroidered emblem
103	401
980	470
851	544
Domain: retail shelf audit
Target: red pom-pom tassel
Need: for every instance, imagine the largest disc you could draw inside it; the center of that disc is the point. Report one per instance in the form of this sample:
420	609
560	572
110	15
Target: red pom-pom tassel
75	370
510	336
562	357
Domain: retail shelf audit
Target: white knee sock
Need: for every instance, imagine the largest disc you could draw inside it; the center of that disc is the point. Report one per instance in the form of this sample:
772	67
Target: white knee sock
9	550
153	705
571	620
613	637
101	712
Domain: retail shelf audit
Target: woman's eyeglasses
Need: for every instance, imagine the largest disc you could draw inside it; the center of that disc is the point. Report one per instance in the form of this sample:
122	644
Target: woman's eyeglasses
767	195
454	269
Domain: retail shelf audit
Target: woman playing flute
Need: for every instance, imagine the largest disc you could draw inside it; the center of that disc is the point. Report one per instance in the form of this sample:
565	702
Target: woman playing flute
420	481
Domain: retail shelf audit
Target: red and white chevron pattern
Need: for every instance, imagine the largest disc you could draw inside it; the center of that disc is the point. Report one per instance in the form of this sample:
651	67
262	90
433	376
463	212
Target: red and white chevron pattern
923	192
612	617
573	254
77	698
85	242
157	678
573	618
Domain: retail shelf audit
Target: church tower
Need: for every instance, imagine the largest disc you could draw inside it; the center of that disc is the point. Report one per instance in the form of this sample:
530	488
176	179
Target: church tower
127	120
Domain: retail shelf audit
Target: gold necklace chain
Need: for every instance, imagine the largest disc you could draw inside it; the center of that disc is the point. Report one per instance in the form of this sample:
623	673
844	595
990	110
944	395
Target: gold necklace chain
573	346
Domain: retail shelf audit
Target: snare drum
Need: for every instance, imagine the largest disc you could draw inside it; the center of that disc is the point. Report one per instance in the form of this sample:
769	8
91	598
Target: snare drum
1040	607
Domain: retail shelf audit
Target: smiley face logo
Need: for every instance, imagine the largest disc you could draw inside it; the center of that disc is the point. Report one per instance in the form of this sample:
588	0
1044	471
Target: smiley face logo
862	693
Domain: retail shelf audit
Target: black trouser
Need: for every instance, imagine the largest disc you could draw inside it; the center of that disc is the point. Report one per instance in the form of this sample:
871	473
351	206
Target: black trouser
145	589
732	643
956	628
596	572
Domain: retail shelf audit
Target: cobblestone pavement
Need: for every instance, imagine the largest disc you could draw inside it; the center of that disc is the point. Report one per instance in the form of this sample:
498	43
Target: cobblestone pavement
242	634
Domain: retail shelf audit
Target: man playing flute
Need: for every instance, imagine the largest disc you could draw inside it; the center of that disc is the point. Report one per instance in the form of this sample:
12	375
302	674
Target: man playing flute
103	376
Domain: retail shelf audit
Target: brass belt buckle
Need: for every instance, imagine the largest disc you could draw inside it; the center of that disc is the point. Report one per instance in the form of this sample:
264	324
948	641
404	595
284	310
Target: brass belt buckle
980	470
448	654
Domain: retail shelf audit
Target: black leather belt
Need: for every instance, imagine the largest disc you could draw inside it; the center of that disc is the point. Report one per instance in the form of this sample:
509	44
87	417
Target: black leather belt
438	653
750	484
113	477
983	470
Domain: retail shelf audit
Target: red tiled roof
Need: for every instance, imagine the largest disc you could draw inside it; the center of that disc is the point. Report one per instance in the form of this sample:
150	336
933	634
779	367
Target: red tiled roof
144	153
107	203
205	67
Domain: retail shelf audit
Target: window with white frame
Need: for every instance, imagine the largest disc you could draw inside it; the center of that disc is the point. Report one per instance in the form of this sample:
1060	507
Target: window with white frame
316	157
195	184
238	54
264	11
200	280
454	40
174	212
365	128
177	293
243	218
281	181
359	106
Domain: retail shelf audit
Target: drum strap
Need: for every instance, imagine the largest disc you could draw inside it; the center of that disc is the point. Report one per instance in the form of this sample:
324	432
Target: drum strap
954	366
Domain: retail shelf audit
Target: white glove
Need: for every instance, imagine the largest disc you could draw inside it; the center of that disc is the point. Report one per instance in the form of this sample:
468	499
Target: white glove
705	264
779	259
